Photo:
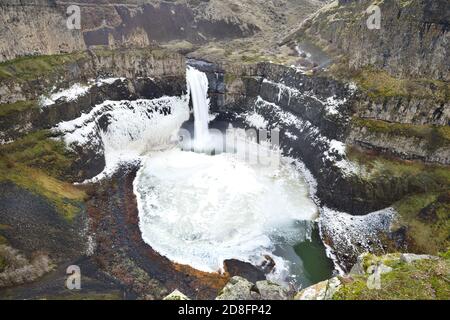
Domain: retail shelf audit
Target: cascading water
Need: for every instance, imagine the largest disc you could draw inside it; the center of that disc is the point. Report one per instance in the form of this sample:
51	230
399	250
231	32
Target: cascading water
198	209
201	210
197	83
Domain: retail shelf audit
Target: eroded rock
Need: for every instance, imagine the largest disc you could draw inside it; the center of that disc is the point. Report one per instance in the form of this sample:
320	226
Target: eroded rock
271	291
322	291
176	295
238	289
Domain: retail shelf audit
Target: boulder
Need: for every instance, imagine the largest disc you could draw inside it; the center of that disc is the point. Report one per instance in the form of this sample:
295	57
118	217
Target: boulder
271	291
176	295
322	291
410	258
238	288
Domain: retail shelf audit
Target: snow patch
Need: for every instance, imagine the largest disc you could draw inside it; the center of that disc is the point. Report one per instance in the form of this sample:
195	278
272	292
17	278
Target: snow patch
67	95
256	120
124	130
356	234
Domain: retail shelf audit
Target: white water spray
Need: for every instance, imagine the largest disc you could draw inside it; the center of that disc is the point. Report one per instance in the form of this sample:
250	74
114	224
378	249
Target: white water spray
198	88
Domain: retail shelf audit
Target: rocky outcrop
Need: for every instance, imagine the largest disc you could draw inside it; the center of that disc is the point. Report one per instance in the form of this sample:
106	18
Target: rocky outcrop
322	291
404	109
350	236
18	270
412	41
40	26
35	27
379	276
366	280
404	146
239	288
60	71
151	73
176	296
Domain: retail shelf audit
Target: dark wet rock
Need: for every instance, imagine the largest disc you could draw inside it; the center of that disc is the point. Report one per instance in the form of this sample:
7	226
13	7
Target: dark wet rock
243	269
268	264
429	214
34	224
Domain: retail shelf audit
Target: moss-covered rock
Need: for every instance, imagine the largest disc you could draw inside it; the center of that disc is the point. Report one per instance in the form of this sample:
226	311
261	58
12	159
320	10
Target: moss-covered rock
420	279
176	295
427	221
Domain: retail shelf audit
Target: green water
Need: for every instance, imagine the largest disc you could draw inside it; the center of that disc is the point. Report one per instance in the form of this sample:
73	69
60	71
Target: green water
309	263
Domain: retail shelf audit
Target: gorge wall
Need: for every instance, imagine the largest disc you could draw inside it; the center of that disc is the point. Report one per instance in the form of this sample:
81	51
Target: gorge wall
412	41
33	27
151	73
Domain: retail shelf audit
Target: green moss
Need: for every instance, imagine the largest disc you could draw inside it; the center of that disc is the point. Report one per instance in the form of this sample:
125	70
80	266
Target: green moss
421	280
405	3
417	175
430	235
420	187
445	255
29	68
390	260
435	136
4	227
352	291
230	77
39	164
252	59
380	84
3	240
39	150
10	108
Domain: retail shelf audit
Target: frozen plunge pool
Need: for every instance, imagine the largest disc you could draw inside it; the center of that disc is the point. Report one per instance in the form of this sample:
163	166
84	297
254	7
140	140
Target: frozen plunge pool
197	209
200	210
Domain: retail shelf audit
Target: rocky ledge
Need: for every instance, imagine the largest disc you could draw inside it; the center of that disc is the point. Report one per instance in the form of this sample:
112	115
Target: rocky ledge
388	277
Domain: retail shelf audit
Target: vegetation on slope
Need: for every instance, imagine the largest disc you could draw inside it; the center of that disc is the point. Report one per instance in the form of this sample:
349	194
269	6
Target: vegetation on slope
435	136
418	176
33	67
40	164
10	108
424	210
426	279
379	83
427	218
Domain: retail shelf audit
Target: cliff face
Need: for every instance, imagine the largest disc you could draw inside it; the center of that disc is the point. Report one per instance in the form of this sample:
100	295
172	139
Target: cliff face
39	26
35	27
150	72
401	69
413	39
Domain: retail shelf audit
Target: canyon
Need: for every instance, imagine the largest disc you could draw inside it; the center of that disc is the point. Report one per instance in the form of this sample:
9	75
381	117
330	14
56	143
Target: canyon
87	115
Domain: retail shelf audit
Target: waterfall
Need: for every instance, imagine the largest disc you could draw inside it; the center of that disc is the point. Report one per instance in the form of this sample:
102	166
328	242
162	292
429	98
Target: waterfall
197	83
